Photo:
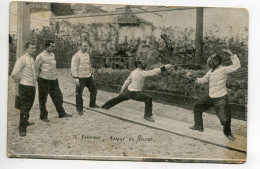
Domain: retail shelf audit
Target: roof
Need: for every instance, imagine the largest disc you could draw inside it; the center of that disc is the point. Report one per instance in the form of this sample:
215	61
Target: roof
88	8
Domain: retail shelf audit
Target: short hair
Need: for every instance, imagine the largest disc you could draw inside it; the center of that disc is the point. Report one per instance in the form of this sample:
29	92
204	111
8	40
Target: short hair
27	44
48	43
84	41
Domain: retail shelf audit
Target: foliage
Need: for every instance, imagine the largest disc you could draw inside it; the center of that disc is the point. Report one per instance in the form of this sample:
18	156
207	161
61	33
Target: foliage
238	45
12	56
176	82
107	51
65	49
179	46
176	45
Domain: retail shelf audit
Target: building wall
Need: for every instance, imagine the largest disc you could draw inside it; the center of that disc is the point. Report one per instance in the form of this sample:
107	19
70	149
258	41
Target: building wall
37	19
228	22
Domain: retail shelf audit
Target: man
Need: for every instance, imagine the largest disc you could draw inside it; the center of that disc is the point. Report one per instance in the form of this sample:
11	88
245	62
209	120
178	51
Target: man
45	66
218	98
132	88
24	75
81	71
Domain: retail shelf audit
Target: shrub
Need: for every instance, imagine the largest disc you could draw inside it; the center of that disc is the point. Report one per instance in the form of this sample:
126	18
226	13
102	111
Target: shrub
178	46
175	82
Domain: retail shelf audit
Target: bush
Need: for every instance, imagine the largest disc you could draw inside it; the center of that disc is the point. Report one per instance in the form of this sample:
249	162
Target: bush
175	82
12	56
178	46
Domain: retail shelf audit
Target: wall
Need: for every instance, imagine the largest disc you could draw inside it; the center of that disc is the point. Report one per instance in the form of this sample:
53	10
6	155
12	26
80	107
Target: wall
229	21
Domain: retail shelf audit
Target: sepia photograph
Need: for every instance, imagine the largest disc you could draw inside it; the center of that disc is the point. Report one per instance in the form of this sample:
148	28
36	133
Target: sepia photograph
127	82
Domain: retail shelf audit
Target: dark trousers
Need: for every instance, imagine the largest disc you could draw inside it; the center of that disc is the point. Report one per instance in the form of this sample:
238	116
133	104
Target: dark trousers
222	108
51	87
138	96
92	87
26	97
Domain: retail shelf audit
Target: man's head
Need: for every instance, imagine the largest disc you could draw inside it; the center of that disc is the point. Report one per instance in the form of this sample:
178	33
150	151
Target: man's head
84	46
214	61
140	63
49	46
30	48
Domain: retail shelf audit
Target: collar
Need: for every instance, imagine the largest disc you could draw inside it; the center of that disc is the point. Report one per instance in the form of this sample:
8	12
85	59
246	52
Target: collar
139	69
82	52
212	70
27	54
45	51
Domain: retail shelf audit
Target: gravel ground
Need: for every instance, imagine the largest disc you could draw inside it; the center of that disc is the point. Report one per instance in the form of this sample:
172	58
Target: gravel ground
97	135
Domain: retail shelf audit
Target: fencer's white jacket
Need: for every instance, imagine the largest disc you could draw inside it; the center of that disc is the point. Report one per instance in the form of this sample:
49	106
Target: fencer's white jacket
45	66
218	78
25	68
80	65
135	81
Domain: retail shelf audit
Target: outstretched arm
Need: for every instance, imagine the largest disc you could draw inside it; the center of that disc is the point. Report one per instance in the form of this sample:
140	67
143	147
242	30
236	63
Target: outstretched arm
235	63
156	71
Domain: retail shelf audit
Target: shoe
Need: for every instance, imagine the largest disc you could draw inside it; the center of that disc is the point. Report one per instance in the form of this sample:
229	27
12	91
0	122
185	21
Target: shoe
95	106
103	107
230	137
66	115
149	118
80	113
30	123
46	120
196	128
22	133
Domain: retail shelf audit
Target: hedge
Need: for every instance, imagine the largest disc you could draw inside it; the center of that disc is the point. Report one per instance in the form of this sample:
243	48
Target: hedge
175	82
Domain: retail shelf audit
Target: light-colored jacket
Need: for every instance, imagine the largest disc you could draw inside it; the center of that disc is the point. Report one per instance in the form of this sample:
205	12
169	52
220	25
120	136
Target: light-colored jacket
25	69
135	81
45	66
80	65
218	78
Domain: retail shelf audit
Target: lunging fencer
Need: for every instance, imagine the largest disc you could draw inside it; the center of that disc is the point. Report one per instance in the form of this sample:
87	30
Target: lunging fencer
218	97
24	75
82	73
132	88
45	66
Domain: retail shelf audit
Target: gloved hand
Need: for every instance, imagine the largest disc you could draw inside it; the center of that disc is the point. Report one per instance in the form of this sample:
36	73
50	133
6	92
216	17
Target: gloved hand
190	77
168	66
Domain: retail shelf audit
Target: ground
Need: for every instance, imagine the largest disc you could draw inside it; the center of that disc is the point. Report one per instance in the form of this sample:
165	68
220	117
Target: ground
96	135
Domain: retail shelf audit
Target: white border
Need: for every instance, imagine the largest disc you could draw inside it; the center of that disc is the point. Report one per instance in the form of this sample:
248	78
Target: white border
254	92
